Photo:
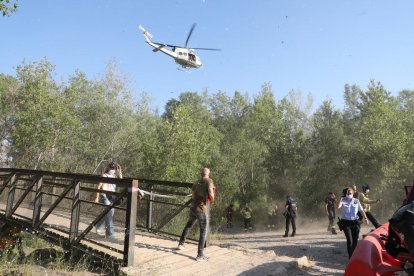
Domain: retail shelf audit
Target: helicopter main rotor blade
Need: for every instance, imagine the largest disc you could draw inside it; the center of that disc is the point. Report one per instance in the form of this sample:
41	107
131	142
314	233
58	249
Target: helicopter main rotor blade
208	49
174	46
189	35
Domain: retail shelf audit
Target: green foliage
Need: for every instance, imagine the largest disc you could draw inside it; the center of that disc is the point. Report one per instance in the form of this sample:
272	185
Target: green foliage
257	148
8	7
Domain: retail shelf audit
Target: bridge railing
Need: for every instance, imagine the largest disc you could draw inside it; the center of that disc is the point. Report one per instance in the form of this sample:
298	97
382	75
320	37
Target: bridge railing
61	207
163	208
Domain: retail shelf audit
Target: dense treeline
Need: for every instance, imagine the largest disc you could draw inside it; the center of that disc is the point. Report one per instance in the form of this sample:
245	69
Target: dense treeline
257	148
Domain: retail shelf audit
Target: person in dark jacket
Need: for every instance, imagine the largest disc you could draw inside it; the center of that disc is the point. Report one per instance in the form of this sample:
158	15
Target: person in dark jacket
229	215
290	215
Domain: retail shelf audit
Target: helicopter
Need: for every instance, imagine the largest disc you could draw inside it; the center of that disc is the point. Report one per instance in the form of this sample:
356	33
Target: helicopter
183	55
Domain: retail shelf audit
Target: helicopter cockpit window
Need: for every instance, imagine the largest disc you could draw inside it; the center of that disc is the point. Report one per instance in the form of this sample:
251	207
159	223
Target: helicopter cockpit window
185	54
180	53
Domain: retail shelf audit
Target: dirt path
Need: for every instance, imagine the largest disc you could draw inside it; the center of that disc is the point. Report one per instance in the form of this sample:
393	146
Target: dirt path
234	252
326	252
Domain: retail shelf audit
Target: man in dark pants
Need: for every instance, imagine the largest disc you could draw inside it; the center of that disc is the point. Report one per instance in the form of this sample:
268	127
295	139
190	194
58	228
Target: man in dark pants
330	205
247	217
229	215
366	205
290	215
349	222
351	230
203	193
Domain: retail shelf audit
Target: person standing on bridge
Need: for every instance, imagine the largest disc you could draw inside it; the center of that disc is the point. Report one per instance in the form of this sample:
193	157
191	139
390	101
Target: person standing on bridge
106	225
203	194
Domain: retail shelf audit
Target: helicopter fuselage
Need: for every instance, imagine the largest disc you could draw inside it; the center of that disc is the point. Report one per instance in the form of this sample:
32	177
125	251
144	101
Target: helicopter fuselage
186	58
183	56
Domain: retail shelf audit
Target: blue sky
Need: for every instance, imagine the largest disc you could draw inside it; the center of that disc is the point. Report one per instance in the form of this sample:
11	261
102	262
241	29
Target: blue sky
312	46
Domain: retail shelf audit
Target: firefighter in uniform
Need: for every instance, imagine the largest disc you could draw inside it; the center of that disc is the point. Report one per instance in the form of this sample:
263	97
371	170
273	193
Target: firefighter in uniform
330	204
366	205
271	215
247	217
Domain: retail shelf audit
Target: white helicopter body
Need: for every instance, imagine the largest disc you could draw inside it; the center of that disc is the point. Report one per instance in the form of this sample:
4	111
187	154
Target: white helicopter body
182	55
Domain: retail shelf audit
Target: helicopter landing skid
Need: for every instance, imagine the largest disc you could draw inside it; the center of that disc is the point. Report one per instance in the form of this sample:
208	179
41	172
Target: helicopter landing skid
184	69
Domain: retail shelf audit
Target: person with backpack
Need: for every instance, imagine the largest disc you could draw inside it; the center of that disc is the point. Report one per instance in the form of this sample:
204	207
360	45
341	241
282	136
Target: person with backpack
290	215
203	195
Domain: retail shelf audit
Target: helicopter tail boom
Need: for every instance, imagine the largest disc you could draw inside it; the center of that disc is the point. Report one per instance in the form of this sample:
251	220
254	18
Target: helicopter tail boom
158	48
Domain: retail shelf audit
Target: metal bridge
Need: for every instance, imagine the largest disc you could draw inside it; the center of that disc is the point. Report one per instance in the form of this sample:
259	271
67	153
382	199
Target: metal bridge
60	208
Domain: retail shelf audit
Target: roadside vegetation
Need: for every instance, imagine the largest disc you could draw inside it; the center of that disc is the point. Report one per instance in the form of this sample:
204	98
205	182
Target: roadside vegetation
258	145
38	257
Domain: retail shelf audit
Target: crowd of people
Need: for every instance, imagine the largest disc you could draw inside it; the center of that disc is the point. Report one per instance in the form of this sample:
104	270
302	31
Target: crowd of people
354	206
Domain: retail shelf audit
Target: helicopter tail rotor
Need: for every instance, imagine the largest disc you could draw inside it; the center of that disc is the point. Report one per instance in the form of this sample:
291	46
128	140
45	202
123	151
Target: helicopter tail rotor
147	35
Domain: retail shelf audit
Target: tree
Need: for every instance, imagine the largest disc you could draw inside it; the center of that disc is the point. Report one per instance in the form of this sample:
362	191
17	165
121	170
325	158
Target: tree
8	91
379	142
287	160
8	7
37	115
189	142
327	159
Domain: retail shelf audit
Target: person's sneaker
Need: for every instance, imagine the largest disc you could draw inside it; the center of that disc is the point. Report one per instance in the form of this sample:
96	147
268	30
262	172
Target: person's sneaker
285	236
180	247
293	234
111	239
201	258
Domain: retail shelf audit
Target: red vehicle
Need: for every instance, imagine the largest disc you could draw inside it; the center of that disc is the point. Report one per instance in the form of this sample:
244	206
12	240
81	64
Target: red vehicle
383	251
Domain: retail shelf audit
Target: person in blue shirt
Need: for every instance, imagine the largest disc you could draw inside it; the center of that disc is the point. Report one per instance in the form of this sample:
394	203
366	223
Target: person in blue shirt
350	207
